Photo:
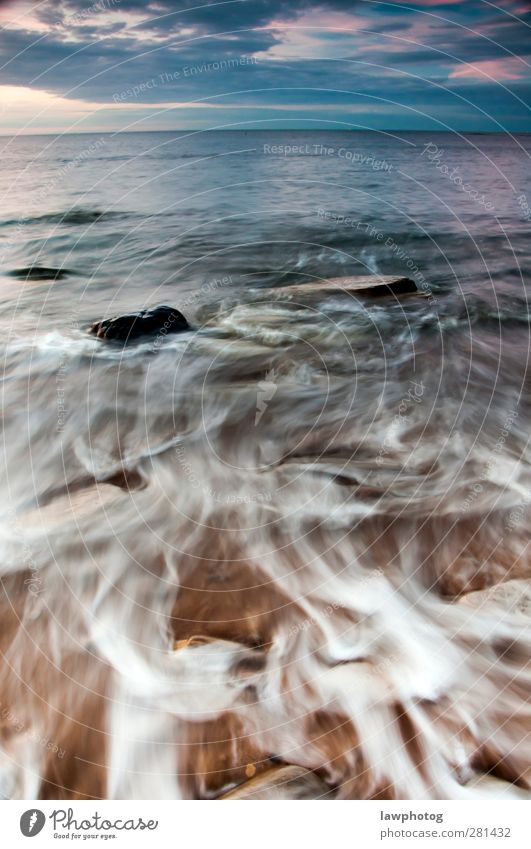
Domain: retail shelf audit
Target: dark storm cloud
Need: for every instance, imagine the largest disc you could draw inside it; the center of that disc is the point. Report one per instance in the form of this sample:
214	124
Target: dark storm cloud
210	17
97	69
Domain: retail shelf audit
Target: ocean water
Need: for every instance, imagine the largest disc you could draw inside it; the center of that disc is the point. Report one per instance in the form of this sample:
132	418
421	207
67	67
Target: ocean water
284	553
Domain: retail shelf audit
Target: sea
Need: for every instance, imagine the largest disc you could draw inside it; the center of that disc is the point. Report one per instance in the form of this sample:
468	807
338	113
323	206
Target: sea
283	554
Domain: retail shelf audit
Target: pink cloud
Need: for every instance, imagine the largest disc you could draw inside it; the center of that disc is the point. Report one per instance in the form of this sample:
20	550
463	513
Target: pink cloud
306	36
511	68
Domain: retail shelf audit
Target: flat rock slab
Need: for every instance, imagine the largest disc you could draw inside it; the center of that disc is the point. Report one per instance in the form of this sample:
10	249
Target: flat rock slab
366	285
281	782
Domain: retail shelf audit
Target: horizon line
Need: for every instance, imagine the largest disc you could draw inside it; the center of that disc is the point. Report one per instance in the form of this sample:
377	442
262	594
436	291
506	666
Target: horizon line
387	130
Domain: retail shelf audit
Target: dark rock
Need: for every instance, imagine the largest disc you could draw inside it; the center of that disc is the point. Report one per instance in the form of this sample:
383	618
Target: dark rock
127	328
39	272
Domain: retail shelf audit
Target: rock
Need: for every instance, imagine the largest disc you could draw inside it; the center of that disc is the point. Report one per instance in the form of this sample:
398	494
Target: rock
39	272
512	596
127	328
365	285
280	782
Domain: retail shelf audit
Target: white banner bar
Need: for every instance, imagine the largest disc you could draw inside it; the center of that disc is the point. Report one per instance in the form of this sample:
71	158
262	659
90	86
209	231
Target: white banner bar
255	825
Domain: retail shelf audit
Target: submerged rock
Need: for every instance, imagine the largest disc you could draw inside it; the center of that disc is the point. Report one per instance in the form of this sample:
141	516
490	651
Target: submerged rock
39	272
127	328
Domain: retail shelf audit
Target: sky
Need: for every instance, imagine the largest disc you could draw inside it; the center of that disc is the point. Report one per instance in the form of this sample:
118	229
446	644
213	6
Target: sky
127	65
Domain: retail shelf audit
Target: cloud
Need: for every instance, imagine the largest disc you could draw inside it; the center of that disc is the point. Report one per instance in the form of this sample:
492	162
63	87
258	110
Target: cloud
499	70
91	50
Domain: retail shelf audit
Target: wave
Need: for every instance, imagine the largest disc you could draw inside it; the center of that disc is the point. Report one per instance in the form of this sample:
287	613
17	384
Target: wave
225	540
